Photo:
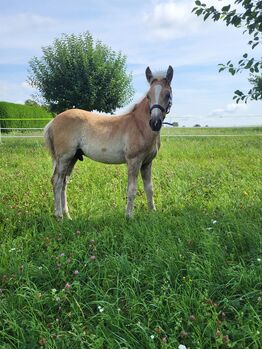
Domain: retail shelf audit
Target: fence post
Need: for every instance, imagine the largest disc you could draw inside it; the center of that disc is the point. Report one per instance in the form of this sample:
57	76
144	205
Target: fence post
168	133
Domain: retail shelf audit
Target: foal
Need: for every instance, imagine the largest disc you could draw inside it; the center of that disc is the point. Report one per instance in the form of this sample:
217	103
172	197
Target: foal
132	138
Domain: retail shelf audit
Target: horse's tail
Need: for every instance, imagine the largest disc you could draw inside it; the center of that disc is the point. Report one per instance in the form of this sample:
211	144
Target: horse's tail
48	135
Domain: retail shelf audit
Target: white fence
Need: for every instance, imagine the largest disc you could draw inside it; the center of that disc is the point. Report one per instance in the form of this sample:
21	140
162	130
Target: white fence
164	134
20	128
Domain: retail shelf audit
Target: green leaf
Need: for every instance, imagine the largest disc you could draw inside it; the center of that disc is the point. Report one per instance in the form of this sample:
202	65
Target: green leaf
207	15
249	64
225	8
199	11
256	67
238	93
253	46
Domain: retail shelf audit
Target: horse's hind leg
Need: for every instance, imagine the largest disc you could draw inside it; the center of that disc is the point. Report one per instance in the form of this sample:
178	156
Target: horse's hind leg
63	194
58	181
147	180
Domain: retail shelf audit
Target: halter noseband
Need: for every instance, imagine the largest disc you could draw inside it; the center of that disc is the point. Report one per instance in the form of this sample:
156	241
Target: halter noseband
158	106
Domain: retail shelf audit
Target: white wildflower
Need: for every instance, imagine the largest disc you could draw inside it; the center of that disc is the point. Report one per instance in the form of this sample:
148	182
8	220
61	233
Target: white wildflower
182	346
12	249
214	221
152	336
100	309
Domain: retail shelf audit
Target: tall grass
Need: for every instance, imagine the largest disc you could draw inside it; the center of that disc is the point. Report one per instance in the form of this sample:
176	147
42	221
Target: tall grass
189	273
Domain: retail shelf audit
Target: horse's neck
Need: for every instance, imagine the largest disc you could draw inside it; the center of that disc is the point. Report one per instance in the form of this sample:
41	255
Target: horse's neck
141	113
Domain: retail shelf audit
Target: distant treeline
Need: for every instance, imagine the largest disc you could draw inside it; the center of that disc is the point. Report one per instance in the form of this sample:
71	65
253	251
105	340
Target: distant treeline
22	113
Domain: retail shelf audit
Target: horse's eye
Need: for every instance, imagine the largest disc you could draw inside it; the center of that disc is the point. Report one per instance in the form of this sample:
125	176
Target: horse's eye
147	96
168	95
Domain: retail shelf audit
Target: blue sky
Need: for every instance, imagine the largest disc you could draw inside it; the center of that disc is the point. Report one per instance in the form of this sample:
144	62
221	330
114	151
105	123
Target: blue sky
149	32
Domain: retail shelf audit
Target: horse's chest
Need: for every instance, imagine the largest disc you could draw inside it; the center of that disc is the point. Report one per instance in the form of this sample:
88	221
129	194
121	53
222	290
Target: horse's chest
150	156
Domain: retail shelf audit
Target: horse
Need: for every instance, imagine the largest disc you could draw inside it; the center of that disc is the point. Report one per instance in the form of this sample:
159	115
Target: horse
132	138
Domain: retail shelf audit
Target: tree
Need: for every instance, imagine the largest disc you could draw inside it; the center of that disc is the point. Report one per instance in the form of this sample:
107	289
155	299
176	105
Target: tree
249	18
31	102
75	72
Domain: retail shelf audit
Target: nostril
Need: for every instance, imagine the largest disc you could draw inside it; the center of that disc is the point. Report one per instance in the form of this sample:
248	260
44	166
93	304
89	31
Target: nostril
150	123
155	124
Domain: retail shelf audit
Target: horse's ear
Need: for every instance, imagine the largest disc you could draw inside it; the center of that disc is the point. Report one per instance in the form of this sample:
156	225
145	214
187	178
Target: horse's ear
169	74
149	74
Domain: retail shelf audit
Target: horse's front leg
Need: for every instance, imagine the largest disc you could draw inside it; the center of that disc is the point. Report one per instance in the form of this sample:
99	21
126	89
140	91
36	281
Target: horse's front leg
133	170
146	173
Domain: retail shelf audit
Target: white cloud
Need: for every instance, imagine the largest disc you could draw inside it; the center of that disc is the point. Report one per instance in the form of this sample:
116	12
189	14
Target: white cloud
231	108
172	19
24	21
24	30
16	92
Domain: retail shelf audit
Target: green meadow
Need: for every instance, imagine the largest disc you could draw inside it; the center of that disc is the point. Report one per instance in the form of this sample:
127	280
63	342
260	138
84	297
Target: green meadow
188	274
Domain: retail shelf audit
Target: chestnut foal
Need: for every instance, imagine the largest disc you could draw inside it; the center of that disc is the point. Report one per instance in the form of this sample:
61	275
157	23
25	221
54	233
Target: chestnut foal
132	138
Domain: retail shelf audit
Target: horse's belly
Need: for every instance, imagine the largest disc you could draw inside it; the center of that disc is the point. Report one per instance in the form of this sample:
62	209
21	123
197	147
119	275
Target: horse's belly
105	154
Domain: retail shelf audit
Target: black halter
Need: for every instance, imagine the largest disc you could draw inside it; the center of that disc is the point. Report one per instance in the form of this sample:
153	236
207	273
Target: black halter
158	106
163	110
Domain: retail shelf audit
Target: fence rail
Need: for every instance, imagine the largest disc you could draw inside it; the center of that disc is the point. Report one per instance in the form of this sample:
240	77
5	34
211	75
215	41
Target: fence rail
167	134
21	128
25	119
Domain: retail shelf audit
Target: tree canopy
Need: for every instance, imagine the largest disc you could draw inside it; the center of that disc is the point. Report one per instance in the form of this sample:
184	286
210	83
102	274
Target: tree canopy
248	15
76	72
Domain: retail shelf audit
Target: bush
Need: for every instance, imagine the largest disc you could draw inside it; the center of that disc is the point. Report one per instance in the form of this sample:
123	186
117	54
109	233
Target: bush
20	111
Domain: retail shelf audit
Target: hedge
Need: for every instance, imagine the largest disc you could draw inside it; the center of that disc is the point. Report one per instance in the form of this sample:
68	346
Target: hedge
20	111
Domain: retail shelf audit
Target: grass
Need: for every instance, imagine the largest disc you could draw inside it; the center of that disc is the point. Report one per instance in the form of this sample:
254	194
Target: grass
189	273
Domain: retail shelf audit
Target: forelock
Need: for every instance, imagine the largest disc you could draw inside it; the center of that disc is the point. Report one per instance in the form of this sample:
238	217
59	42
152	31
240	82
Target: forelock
159	75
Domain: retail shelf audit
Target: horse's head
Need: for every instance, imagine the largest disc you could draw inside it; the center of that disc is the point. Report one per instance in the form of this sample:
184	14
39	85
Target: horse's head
159	96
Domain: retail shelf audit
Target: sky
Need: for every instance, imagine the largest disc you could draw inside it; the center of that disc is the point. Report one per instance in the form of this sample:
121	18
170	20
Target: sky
150	33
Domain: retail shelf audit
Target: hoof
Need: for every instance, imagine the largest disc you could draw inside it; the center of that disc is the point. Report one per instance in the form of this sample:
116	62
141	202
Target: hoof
129	216
58	217
67	216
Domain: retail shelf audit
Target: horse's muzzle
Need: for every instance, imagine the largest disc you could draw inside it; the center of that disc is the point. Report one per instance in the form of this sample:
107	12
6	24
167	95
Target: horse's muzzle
155	124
